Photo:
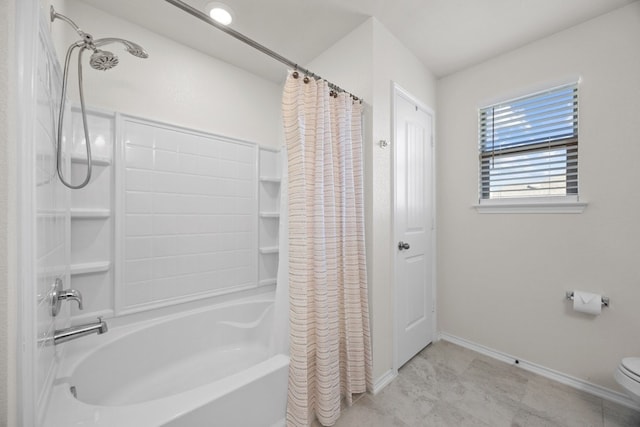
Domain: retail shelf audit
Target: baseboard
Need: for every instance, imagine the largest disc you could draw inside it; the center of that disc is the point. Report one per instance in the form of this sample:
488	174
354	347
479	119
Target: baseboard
383	381
560	377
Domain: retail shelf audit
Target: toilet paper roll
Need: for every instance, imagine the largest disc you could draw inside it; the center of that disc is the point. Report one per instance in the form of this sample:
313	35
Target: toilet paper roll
586	302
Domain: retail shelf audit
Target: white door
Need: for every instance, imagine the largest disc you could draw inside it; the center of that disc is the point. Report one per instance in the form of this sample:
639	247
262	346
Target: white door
413	245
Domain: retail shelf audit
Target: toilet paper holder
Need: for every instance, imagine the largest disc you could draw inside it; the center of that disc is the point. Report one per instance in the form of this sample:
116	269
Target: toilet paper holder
605	300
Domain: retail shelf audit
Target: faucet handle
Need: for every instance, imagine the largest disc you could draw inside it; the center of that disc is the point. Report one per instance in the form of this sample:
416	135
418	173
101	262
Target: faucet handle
73	295
57	295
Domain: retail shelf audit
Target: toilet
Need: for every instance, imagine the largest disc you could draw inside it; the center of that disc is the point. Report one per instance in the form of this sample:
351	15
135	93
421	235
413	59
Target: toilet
628	376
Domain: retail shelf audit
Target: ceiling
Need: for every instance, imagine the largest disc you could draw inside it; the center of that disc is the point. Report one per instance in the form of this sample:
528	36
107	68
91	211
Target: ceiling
446	35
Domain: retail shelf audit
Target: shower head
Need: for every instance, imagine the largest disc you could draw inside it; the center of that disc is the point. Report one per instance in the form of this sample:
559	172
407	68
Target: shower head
131	47
103	60
100	60
137	50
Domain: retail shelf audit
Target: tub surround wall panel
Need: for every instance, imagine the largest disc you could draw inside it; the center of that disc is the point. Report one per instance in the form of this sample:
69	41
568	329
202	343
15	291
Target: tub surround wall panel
8	303
189	215
176	84
189	210
502	278
51	222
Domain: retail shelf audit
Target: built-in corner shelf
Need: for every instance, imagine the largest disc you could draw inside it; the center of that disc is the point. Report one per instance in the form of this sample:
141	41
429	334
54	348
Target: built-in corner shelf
92	218
269	213
90	268
267	282
269	250
271	179
272	215
96	161
90	213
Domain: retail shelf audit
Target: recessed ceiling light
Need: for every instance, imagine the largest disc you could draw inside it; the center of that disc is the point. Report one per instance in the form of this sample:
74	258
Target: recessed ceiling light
220	12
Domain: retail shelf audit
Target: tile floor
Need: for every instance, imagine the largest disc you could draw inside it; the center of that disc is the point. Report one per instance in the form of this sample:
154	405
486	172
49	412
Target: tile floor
448	385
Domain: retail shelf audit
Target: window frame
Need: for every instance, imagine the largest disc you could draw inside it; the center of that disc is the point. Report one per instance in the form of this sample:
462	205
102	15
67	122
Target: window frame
564	203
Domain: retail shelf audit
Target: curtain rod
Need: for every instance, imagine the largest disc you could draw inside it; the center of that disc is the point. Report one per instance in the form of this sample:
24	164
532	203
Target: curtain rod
204	17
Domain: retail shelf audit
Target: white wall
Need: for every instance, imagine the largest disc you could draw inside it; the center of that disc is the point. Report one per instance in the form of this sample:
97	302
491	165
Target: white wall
366	62
392	63
349	63
502	278
176	84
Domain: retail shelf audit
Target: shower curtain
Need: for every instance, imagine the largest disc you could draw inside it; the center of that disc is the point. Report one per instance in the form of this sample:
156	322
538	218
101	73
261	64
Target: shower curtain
329	344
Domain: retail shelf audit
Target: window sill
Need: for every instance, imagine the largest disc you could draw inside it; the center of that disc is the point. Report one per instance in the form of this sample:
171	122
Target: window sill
528	206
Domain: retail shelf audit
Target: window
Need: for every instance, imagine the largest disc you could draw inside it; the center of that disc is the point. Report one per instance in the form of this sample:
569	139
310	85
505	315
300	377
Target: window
529	146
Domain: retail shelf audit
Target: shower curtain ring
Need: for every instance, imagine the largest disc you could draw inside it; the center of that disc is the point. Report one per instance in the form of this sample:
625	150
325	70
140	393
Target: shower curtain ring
306	79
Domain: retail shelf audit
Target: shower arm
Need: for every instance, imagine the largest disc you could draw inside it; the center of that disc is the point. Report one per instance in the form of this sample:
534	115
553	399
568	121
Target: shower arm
53	14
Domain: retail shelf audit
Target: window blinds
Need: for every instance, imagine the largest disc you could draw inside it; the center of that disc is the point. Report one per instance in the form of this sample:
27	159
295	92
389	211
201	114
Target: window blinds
529	146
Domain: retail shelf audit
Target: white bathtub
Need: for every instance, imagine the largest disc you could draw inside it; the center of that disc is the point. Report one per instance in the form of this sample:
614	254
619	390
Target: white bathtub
207	367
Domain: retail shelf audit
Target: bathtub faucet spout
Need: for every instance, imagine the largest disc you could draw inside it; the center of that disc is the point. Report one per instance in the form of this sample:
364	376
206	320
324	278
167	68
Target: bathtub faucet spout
68	334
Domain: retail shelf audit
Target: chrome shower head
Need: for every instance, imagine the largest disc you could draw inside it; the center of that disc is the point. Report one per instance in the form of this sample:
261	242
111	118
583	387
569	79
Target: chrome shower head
136	50
103	60
131	47
100	60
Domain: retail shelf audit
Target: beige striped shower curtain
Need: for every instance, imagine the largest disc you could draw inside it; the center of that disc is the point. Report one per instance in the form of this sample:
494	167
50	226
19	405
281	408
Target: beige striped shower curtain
329	313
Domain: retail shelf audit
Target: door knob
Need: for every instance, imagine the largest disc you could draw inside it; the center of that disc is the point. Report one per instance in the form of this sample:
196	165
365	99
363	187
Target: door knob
403	245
